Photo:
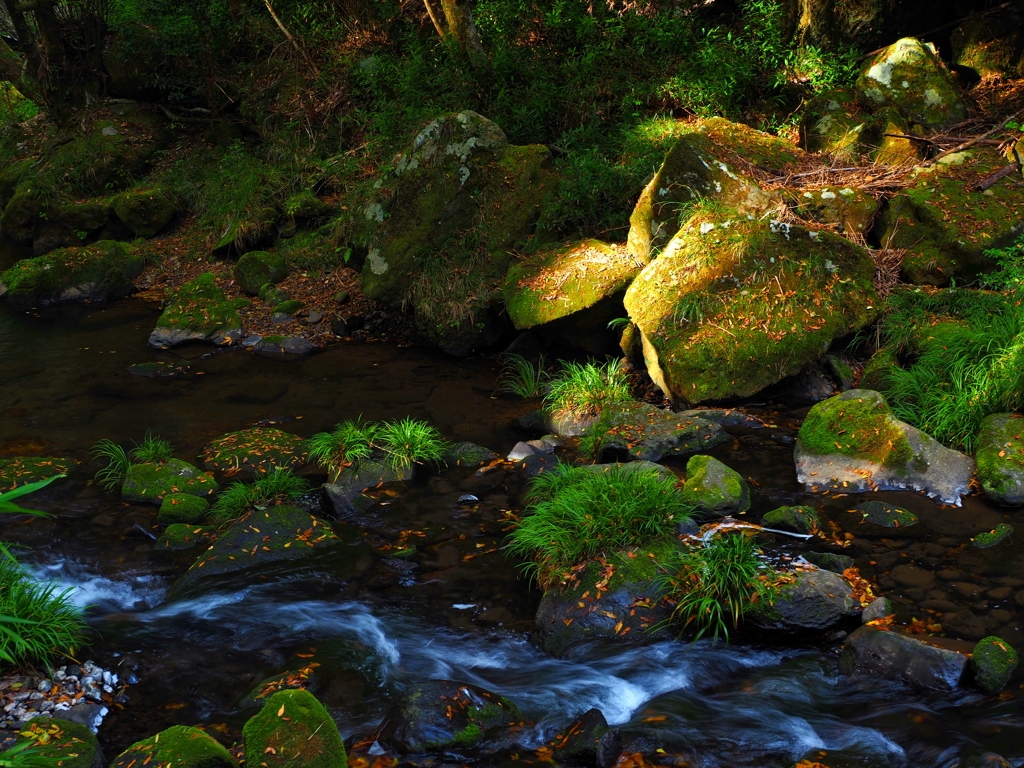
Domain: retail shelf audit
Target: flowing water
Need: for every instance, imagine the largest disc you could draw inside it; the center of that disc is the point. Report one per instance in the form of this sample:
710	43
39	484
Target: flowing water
374	624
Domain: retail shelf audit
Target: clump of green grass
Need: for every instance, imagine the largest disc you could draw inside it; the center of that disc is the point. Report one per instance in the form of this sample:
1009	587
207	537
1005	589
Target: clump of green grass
574	513
399	443
36	621
7	498
716	582
522	377
150	450
586	389
238	498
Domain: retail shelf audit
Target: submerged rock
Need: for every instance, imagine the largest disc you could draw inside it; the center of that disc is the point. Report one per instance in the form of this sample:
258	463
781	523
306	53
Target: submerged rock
1000	457
199	311
926	662
885	515
813	600
444	713
588	741
645	433
293	729
151	482
852	443
181	746
797	519
30	469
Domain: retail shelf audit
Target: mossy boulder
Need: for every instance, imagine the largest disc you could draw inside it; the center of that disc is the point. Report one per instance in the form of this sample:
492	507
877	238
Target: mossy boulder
11	176
257	544
345	495
572	290
910	76
293	730
642	432
835	123
179	536
444	713
98	272
249	452
289	307
885	515
798	519
994	661
21	214
145	211
23	470
708	163
256	269
733	305
180	746
61	742
182	508
991	43
1000	456
715	489
468	455
926	662
305	205
813	600
198	311
851	209
945	225
853	443
993	538
588	740
149	483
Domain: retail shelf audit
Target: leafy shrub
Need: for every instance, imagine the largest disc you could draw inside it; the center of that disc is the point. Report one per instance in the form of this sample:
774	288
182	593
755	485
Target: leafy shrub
574	513
273	488
716	582
585	389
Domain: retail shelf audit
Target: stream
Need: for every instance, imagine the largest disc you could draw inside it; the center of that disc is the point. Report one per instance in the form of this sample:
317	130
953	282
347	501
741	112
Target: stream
375	624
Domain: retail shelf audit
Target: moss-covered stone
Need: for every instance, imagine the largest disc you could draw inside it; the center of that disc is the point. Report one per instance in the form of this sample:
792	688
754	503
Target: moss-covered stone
858	423
293	730
852	209
256	269
834	123
909	76
179	536
98	272
305	205
714	488
199	311
88	217
179	746
705	164
250	451
878	372
21	213
991	43
182	508
993	538
733	305
150	483
814	599
1000	457
468	454
61	743
145	211
30	469
289	307
798	519
885	515
643	432
945	226
994	661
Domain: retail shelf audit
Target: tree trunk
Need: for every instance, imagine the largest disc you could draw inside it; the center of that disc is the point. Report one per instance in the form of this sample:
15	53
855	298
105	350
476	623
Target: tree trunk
457	28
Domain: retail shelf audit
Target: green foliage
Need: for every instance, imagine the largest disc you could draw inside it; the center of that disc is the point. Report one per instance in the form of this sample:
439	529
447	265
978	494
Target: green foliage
400	443
585	389
119	465
574	513
273	488
409	441
151	450
521	377
7	498
1010	276
36	621
963	354
343	446
27	755
715	582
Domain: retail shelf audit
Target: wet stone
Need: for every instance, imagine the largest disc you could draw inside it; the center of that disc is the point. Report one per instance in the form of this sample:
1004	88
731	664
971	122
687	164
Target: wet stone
885	515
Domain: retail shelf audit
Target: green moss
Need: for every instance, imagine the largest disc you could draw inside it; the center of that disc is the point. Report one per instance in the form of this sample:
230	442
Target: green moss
293	730
468	735
200	305
180	536
799	519
859	424
182	508
289	307
711	486
994	661
262	449
62	743
145	211
179	746
160	369
885	515
993	538
150	483
257	269
877	373
29	469
1000	456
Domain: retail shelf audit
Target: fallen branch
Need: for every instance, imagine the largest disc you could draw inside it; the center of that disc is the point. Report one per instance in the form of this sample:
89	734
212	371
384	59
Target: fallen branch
970	143
994	178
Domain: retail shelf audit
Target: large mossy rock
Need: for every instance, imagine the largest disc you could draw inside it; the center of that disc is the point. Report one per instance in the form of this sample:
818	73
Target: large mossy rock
293	730
851	209
248	453
642	432
258	268
182	508
145	211
994	662
258	543
926	662
443	713
572	291
715	489
945	226
853	443
814	600
1000	456
733	305
180	746
708	163
909	76
150	483
98	272
991	43
199	311
62	743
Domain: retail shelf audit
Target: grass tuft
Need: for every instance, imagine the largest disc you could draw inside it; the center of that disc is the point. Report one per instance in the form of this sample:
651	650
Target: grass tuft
410	441
343	446
522	378
238	498
118	468
152	450
585	389
400	443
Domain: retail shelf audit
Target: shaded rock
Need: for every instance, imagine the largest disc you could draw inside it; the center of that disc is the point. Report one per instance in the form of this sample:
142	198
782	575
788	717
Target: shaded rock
797	519
725	417
182	508
98	272
993	538
62	742
853	210
852	443
179	536
588	741
145	212
256	269
926	662
346	497
878	371
249	452
877	609
23	470
732	306
257	543
1000	456
293	729
829	561
909	76
991	43
443	713
468	454
180	746
284	347
713	488
160	370
885	515
150	483
645	433
993	662
982	759
199	311
815	600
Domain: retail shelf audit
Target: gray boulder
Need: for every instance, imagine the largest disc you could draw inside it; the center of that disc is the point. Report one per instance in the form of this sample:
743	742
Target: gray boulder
926	662
814	600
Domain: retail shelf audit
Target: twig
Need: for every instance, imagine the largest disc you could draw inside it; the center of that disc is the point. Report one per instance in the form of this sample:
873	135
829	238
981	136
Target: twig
1002	173
972	142
295	43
